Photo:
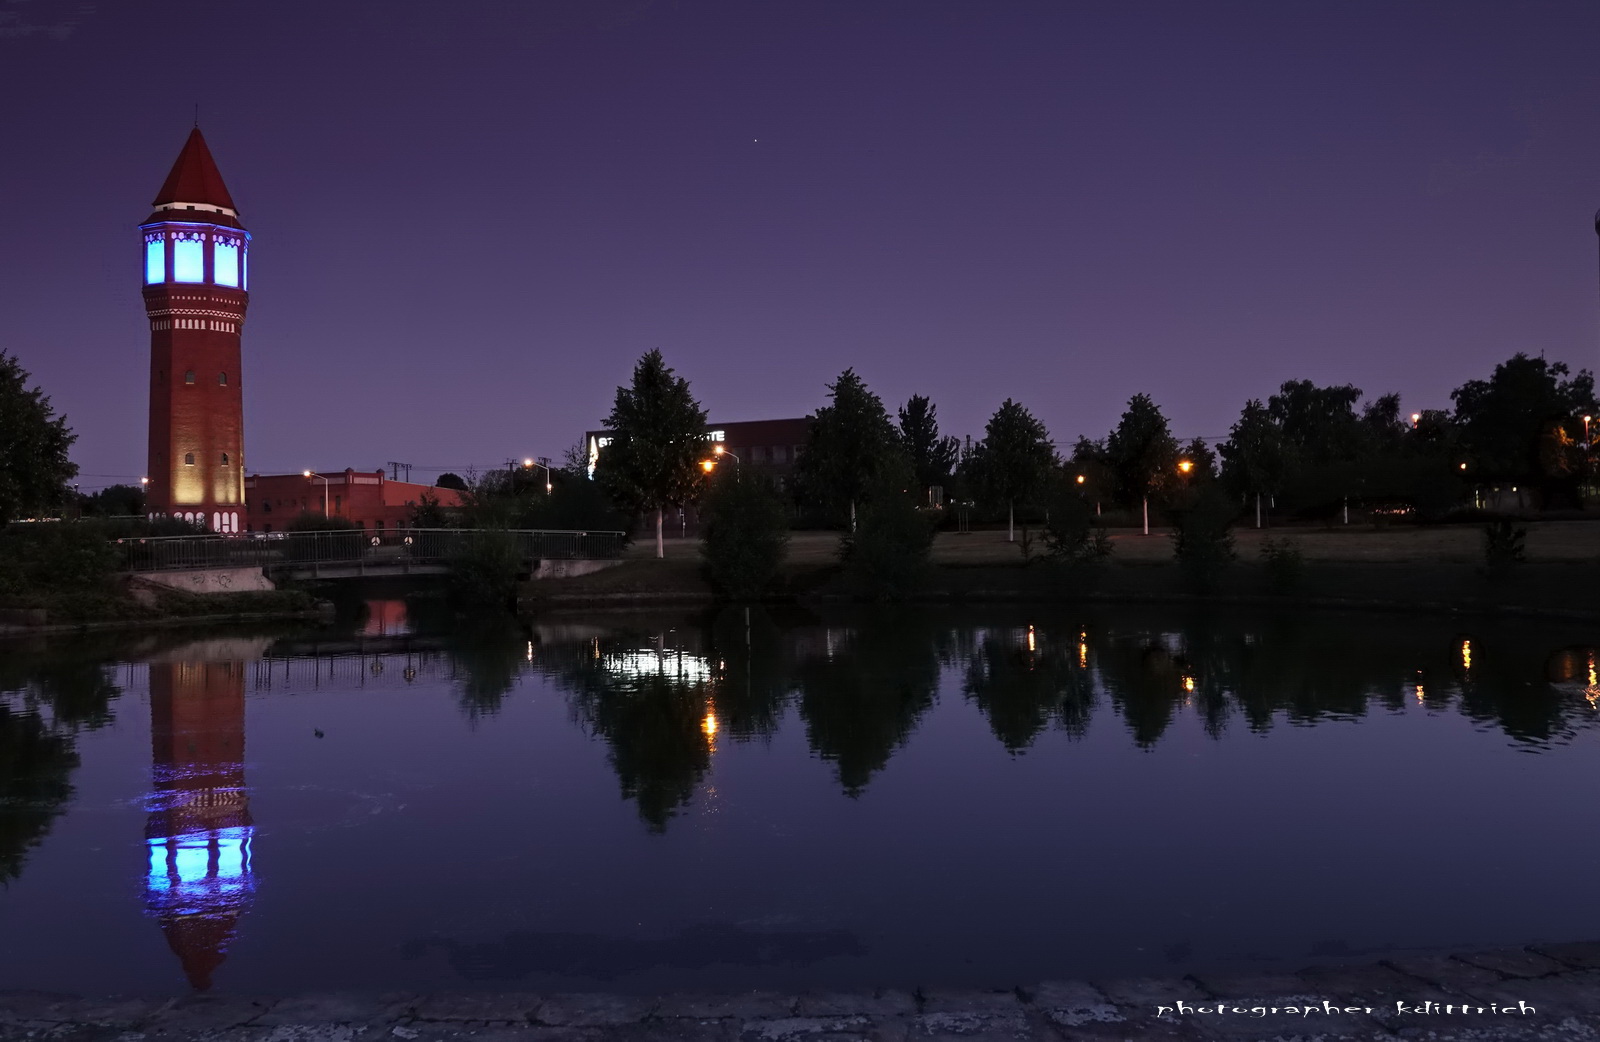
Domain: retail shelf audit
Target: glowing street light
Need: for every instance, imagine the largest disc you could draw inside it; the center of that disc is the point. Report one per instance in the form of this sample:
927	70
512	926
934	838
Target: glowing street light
1080	479
319	477
549	482
1185	466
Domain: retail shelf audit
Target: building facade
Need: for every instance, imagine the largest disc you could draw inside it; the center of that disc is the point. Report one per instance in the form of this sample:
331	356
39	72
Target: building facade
366	498
770	446
196	292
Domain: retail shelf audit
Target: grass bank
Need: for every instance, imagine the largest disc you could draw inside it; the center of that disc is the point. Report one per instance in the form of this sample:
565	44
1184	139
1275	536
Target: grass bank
115	604
1438	568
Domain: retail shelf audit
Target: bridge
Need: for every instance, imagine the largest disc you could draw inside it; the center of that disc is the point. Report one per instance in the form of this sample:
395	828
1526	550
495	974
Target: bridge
352	553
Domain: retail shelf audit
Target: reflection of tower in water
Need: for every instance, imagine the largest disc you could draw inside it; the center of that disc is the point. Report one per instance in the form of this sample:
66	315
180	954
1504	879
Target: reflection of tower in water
199	830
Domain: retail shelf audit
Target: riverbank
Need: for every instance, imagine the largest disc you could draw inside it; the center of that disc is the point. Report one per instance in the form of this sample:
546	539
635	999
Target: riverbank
1401	568
119	607
1543	992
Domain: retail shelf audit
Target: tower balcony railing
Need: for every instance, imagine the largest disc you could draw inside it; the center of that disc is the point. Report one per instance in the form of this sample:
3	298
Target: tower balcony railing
396	547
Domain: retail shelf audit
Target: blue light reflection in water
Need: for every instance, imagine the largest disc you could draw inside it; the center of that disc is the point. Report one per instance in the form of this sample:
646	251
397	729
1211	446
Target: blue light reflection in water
198	866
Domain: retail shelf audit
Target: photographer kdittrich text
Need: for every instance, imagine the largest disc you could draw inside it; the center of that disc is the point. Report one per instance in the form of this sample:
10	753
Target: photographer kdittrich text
1328	1009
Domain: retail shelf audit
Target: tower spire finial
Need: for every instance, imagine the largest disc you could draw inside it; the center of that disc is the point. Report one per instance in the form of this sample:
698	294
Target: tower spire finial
197	115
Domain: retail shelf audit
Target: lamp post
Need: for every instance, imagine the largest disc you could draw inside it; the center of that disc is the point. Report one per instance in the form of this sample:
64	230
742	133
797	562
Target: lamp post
710	464
319	477
549	483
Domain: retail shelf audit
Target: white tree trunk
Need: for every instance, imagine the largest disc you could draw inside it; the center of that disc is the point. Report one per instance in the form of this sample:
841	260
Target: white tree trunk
1258	510
1146	515
852	515
661	543
1011	522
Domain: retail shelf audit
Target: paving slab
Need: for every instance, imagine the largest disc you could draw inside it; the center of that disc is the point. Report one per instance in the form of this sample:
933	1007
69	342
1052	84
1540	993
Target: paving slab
341	1008
1442	971
51	1008
986	1025
793	1029
1575	993
880	1003
1384	988
970	1001
1074	1003
1513	962
194	1015
1272	1006
1581	956
594	1009
495	1008
744	1006
1139	996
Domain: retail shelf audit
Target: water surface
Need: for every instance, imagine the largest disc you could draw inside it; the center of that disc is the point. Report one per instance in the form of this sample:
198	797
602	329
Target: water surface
721	801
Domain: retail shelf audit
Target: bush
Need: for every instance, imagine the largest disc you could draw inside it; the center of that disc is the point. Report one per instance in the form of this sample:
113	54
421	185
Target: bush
484	568
1285	563
1203	539
888	554
745	534
53	555
1071	535
1504	546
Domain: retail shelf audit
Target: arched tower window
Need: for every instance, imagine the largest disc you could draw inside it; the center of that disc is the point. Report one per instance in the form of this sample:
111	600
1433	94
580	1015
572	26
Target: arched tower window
225	262
224	459
189	257
155	258
188	459
222	379
188	377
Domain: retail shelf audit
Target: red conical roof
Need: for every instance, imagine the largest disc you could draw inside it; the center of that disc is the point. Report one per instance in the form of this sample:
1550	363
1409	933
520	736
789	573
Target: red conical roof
194	177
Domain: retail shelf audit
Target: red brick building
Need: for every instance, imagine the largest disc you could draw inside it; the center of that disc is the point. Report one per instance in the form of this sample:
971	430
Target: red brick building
368	498
196	276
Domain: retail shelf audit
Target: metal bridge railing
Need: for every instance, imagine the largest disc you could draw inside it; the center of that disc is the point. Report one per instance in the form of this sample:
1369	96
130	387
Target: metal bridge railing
399	546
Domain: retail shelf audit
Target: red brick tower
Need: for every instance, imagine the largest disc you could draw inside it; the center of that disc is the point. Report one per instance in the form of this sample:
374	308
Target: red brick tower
195	282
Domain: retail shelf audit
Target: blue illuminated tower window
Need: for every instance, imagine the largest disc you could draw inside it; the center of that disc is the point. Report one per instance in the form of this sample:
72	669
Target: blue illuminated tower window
225	263
155	260
188	260
244	267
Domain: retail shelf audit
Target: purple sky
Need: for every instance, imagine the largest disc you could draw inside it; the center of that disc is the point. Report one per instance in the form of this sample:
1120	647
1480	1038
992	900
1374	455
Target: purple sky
470	219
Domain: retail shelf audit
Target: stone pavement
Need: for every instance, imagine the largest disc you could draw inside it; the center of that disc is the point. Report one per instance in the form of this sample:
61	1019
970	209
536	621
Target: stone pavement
1517	995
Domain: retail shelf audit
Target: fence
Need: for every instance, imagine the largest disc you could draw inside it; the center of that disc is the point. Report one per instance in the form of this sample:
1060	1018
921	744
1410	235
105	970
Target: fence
396	547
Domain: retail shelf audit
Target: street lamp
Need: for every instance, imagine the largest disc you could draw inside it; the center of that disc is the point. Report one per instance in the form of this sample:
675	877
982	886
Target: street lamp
721	451
1185	466
548	481
319	477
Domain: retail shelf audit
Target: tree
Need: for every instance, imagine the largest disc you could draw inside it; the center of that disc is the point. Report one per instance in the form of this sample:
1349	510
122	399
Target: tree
932	458
1013	459
34	468
1319	422
449	480
658	437
887	556
1255	459
1507	423
851	447
115	501
744	534
1202	462
1142	453
1089	469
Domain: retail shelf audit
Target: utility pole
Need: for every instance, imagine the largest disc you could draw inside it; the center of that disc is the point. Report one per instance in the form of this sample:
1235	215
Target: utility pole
396	467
